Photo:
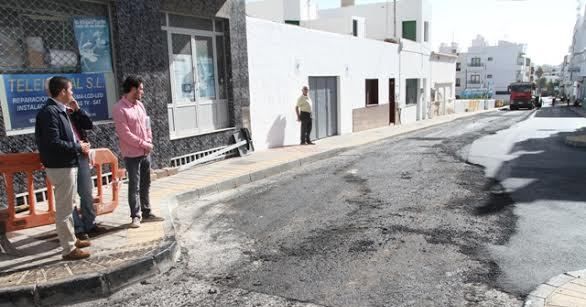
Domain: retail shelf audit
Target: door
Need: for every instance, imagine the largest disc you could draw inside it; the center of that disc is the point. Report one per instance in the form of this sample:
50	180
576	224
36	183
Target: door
392	106
324	95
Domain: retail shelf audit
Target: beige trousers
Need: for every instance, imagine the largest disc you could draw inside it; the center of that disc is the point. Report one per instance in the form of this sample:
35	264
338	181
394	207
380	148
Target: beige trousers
64	180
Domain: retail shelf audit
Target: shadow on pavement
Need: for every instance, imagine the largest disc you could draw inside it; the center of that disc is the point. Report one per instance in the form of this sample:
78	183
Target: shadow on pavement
546	169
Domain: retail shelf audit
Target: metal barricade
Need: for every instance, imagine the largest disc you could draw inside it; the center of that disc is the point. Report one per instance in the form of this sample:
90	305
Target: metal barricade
28	164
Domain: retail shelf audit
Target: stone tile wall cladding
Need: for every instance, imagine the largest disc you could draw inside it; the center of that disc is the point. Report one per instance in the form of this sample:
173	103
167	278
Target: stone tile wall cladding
370	117
139	48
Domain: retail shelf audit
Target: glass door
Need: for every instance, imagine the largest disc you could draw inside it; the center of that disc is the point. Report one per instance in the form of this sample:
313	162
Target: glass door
205	68
182	65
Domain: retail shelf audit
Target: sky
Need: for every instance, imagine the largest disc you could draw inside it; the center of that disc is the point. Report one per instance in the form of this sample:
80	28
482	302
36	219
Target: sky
546	26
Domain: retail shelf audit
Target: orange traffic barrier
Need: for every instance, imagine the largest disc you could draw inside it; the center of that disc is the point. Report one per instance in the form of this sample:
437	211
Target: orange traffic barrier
28	164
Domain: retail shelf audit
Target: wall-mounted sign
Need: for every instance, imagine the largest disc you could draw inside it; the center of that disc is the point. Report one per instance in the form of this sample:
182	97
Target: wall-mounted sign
23	95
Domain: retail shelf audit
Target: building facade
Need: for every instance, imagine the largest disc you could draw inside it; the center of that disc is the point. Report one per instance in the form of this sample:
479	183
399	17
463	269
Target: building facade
574	64
492	68
376	78
191	55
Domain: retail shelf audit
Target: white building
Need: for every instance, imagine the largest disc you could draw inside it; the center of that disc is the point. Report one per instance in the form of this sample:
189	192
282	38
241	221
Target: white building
361	76
492	68
574	66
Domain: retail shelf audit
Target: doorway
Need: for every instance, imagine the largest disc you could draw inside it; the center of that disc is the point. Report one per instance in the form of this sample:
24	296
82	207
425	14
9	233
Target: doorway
392	106
323	92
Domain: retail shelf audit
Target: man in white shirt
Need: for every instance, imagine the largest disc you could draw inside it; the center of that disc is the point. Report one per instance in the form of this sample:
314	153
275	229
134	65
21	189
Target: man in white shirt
303	110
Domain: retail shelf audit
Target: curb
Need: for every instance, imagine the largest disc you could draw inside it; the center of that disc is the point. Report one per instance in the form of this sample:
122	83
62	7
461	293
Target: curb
99	284
258	175
576	141
538	297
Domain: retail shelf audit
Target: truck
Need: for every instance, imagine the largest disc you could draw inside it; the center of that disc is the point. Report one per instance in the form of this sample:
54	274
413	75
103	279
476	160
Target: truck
522	95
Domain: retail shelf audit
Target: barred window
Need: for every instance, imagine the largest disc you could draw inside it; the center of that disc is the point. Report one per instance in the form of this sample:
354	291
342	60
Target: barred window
43	38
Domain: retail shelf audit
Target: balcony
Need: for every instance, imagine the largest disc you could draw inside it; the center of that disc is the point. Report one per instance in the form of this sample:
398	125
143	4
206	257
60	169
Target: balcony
475	64
473	82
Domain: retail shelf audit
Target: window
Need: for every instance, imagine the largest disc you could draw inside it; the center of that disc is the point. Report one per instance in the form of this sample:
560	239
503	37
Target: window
411	90
458	66
198	69
458	82
354	27
426	31
474	79
475	62
488	76
371	91
410	30
43	38
490	59
292	22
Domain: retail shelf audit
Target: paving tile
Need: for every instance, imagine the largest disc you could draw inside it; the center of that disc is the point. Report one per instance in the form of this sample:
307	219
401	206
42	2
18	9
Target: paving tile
558	299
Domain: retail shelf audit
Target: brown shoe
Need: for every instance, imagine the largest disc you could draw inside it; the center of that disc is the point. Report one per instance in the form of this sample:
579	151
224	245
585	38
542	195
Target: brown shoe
82	243
76	254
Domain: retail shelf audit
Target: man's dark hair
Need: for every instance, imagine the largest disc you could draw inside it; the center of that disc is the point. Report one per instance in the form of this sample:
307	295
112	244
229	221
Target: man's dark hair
57	84
130	82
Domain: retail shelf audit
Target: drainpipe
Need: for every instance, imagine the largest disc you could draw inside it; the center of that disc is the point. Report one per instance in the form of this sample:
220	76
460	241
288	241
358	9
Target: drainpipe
395	19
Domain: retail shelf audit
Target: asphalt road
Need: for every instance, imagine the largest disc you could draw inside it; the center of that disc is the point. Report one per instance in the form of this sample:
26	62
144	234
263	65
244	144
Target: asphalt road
415	220
545	178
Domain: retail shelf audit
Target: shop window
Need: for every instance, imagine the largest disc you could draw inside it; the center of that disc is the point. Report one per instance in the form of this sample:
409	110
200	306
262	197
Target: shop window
43	38
371	91
198	73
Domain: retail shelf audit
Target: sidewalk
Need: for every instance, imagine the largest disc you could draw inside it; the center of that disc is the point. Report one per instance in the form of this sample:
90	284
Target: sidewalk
565	290
124	256
580	139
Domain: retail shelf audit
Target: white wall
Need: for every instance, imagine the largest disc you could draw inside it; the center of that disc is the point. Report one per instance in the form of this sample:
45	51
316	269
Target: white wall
379	18
300	9
282	57
443	78
272	10
415	64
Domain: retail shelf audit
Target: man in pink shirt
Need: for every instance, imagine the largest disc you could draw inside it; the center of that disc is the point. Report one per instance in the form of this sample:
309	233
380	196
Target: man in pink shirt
136	143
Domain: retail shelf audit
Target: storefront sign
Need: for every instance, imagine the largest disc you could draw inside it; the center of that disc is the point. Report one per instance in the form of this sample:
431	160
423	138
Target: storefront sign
93	41
24	95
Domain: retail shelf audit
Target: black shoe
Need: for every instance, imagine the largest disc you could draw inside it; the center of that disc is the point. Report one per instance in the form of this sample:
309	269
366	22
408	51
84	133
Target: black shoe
302	143
310	143
82	236
96	231
152	218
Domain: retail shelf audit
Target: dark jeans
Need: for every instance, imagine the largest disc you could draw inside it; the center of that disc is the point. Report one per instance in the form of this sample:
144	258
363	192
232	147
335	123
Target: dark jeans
85	186
139	184
305	127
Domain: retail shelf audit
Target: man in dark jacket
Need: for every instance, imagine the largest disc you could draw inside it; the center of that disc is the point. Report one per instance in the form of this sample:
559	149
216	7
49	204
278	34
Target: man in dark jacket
59	149
84	220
